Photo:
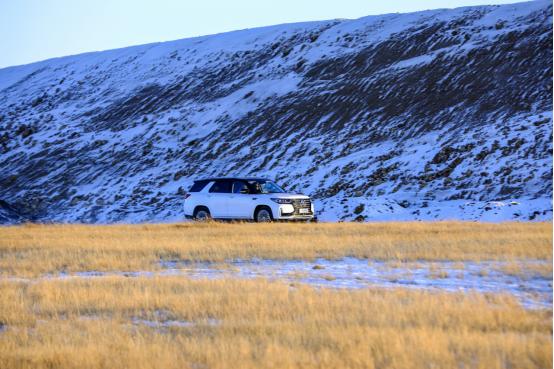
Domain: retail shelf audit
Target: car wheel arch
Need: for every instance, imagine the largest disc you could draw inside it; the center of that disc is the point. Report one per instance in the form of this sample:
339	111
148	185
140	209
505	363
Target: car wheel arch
199	208
262	207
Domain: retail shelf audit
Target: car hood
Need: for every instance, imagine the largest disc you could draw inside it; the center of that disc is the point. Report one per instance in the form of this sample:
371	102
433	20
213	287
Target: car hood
286	196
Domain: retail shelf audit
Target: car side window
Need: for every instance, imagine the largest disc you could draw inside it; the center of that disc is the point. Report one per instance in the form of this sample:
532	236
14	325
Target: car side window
198	186
221	187
238	186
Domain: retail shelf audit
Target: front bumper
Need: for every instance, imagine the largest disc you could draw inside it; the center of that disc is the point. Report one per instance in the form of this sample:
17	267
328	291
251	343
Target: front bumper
311	218
294	212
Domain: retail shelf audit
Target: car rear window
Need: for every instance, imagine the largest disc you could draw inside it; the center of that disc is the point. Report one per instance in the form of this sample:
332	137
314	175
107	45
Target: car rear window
198	186
221	187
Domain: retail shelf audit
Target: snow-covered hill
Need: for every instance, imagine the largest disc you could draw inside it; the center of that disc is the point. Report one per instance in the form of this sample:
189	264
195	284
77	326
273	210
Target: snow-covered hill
443	114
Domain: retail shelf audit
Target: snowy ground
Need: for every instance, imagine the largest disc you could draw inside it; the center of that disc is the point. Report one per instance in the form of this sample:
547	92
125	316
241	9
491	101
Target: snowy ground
393	209
527	280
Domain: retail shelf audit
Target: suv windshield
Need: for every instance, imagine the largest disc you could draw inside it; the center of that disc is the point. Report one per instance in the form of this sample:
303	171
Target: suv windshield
265	187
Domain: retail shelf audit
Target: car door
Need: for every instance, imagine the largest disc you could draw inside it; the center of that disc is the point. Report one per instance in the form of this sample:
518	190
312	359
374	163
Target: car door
218	198
240	205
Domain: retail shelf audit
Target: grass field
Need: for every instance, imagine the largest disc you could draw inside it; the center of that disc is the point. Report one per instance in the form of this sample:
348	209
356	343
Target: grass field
177	322
103	323
33	250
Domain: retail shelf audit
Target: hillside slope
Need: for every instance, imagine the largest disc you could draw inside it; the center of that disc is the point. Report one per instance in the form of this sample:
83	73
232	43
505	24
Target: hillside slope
443	114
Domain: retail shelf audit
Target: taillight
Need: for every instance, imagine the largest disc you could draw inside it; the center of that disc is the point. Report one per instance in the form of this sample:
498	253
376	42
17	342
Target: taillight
187	195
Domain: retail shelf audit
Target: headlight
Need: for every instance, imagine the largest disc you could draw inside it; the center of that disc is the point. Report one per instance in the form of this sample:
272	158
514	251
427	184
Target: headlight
281	201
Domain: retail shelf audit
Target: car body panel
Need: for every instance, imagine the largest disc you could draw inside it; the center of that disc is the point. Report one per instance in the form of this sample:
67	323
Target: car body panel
240	205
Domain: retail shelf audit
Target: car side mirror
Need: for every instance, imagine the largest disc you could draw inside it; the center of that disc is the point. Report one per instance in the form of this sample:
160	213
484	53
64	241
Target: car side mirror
244	191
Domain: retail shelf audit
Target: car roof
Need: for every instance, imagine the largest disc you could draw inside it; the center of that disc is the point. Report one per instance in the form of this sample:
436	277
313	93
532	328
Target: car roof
233	178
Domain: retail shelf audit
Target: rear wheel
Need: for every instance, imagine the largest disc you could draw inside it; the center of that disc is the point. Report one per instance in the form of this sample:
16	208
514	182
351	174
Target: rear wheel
201	214
263	215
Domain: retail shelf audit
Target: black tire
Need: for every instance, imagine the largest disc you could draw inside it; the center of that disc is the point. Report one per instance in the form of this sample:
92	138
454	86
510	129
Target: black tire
201	214
263	215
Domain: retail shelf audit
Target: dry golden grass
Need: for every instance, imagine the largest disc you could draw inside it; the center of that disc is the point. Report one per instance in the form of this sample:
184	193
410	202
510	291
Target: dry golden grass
32	250
259	324
94	323
528	270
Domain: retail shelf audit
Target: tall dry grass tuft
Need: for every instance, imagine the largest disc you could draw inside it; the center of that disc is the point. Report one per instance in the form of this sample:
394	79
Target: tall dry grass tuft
37	249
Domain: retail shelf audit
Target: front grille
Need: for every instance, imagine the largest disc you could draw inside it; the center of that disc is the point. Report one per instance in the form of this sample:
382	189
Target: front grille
302	204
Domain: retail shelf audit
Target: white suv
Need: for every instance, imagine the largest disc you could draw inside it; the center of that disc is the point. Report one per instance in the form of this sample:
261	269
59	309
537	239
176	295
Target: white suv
259	199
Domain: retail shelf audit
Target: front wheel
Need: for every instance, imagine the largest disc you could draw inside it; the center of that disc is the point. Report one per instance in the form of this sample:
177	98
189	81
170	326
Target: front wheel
263	215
